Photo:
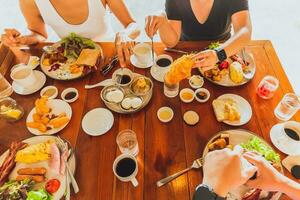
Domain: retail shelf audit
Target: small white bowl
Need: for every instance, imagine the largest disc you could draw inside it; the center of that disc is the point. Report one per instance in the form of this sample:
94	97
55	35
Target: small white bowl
202	90
66	91
187	90
196	86
165	109
47	88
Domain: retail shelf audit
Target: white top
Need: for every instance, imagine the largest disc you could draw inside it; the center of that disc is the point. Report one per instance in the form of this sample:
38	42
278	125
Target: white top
96	27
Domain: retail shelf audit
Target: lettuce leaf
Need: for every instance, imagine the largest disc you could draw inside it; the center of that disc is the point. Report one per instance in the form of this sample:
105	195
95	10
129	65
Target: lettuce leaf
257	145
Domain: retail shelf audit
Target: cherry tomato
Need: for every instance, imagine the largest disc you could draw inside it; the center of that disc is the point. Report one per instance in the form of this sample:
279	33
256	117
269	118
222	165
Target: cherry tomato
52	186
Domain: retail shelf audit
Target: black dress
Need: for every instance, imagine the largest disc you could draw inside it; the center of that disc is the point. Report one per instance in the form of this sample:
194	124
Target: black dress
216	27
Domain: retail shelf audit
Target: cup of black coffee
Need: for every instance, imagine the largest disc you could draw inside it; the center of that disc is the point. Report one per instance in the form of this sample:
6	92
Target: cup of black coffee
161	66
125	168
292	131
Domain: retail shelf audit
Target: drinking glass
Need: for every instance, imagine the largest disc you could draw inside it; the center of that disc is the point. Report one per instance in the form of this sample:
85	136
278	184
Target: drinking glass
267	87
127	142
171	90
5	87
287	107
10	110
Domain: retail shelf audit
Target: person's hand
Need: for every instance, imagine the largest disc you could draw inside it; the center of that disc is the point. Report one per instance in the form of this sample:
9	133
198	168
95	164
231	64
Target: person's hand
267	178
225	170
13	38
153	23
10	37
124	46
206	60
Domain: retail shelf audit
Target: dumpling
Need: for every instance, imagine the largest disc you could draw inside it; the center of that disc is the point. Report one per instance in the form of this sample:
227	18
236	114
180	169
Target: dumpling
126	103
136	102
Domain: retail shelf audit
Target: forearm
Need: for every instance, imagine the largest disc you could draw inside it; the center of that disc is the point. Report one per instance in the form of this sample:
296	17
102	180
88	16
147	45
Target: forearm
32	39
290	188
239	40
168	35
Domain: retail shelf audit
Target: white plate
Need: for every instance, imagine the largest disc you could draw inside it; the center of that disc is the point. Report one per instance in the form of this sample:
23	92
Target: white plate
58	106
157	75
136	63
40	82
50	175
97	121
227	82
284	143
243	106
236	137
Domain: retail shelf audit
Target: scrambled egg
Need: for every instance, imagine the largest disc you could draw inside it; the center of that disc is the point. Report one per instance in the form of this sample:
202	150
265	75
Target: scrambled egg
34	153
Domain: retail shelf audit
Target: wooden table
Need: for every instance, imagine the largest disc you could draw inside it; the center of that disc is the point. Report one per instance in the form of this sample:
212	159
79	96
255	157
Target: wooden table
164	148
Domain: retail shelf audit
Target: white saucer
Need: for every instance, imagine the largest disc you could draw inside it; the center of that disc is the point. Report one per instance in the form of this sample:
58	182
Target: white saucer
291	161
135	62
243	106
156	75
97	121
40	82
284	143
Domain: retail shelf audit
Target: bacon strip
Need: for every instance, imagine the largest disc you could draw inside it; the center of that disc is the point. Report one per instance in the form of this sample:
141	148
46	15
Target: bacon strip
9	162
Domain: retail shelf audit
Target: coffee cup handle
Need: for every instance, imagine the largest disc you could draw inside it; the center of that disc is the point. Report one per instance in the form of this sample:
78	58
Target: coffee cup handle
134	182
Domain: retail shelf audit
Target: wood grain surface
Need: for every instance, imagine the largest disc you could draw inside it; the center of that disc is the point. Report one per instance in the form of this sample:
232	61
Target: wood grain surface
163	148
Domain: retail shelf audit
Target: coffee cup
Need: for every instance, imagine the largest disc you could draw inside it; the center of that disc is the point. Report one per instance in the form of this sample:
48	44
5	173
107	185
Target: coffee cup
142	52
125	168
23	75
291	130
162	65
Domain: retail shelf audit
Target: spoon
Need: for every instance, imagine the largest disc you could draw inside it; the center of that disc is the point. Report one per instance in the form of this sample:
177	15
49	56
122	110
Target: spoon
104	83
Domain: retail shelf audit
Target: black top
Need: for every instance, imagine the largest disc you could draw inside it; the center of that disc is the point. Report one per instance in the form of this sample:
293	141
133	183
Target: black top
216	27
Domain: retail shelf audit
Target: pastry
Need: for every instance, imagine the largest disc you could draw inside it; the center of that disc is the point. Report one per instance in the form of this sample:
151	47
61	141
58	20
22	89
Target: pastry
236	72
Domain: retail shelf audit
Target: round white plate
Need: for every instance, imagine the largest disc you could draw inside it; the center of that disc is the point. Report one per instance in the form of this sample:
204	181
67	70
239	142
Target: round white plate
97	121
282	142
243	106
157	75
58	106
40	82
237	137
136	63
35	140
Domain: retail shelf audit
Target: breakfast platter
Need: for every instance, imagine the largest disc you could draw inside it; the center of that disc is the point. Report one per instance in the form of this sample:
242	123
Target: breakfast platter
249	142
130	98
237	70
71	58
36	169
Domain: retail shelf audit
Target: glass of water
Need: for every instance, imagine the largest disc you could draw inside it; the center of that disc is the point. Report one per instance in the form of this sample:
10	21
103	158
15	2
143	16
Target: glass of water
171	90
5	87
127	142
287	107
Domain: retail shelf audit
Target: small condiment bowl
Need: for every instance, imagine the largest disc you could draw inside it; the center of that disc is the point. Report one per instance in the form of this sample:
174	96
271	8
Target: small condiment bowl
194	86
108	89
53	96
166	109
134	82
68	90
117	75
202	90
187	90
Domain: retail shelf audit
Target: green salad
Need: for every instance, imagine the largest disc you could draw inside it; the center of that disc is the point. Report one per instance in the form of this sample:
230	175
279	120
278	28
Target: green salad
257	145
15	190
73	45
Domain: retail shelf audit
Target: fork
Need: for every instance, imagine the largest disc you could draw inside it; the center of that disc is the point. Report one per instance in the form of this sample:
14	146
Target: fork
62	147
196	165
